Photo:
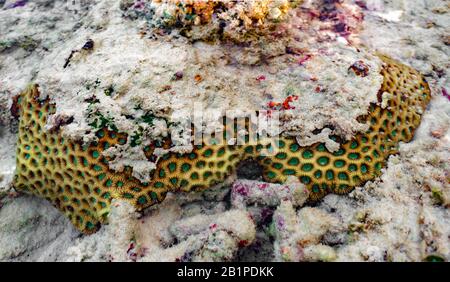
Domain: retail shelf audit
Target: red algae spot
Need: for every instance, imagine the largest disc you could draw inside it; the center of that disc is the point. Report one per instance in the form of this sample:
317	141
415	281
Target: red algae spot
285	105
241	190
198	78
263	186
289	99
243	243
304	59
261	78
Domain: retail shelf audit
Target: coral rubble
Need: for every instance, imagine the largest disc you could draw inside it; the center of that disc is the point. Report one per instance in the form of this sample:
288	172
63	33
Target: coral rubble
237	20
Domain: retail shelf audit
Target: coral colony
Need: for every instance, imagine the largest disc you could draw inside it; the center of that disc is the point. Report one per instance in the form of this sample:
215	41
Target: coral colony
77	179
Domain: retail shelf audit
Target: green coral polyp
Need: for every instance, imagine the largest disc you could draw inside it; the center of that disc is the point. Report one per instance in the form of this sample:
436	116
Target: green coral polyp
76	178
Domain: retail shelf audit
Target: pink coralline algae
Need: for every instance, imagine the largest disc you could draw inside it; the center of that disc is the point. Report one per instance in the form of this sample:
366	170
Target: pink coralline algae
445	93
261	78
304	59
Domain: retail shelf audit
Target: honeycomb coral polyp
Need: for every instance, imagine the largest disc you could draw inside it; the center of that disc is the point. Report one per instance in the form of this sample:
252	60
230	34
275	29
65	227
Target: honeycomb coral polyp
76	178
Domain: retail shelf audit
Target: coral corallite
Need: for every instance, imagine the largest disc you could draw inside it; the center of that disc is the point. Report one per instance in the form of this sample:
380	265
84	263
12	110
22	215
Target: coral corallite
77	180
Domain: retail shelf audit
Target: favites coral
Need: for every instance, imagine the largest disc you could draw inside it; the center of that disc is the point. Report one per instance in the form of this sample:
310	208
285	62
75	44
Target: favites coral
76	178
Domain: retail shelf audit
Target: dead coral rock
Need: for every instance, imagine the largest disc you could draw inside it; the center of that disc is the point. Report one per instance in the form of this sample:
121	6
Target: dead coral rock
208	237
